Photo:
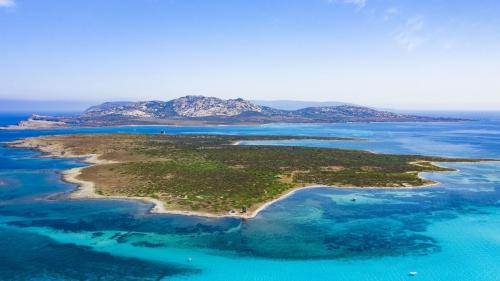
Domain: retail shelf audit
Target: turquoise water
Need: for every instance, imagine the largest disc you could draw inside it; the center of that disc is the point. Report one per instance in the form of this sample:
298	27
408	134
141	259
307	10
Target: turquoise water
445	232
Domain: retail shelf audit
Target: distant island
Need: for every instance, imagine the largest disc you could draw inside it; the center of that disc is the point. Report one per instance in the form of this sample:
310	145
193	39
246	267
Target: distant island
199	110
211	175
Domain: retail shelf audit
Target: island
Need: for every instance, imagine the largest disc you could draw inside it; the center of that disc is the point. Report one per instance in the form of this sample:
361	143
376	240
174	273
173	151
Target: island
201	110
214	176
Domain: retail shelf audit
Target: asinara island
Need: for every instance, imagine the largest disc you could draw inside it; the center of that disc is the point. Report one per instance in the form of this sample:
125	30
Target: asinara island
214	175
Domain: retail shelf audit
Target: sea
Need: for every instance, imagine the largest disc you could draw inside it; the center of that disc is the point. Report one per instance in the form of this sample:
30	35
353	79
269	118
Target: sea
446	232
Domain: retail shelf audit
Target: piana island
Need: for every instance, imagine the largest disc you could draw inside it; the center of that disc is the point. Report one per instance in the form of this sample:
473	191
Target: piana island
211	175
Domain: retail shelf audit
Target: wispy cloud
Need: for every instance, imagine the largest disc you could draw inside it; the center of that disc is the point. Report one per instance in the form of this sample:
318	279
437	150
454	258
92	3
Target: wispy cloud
7	3
390	13
448	44
357	3
410	35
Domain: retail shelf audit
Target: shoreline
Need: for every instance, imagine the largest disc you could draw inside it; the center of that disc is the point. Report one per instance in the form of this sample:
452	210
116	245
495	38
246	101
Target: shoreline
169	122
86	189
15	127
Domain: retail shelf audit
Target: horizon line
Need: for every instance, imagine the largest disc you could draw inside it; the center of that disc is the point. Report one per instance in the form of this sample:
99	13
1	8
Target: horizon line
87	103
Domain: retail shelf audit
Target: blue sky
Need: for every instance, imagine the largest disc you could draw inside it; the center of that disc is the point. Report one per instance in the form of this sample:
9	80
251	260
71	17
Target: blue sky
432	54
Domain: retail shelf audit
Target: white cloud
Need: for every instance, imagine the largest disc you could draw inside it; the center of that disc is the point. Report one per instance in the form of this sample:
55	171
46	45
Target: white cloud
7	3
448	44
358	3
409	36
390	12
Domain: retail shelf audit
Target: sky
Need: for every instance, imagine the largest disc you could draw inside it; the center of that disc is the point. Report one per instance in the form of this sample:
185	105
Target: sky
406	54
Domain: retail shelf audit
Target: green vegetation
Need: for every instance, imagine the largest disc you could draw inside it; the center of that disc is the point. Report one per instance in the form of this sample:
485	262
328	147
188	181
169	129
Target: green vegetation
209	173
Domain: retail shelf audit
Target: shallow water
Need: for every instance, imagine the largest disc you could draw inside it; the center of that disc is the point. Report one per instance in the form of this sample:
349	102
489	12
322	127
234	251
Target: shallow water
445	232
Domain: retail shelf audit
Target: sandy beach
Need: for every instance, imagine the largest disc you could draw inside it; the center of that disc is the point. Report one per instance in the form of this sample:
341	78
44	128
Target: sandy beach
86	189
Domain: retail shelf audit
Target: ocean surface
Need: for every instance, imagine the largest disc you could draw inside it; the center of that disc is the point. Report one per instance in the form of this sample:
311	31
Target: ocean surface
445	232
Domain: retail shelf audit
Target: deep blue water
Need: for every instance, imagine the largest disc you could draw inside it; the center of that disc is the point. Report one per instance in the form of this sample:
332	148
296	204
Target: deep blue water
445	232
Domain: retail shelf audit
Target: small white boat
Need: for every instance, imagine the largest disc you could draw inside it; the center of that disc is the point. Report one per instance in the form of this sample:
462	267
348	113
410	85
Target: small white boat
189	259
412	273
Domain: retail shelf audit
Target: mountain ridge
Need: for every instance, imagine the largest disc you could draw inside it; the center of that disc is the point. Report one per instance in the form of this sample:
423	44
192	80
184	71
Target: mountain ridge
298	104
192	106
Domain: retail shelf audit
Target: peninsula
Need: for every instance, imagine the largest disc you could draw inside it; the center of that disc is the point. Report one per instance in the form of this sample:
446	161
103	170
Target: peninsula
210	175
